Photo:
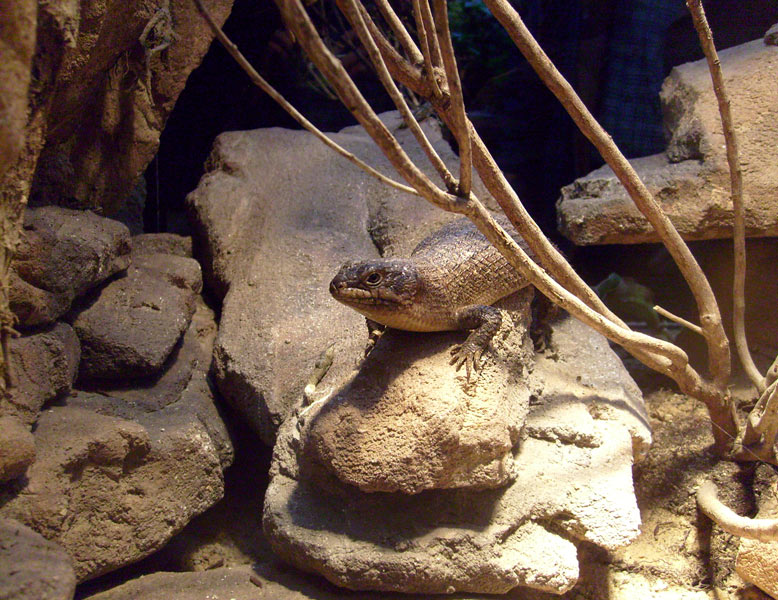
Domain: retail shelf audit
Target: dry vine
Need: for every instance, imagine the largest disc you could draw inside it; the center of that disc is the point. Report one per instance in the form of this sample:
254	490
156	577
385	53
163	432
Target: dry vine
429	70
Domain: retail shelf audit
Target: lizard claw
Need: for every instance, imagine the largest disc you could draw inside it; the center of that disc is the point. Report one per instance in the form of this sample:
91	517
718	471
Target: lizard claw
468	355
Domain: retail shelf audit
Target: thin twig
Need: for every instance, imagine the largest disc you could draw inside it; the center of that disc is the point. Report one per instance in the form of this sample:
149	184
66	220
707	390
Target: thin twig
764	530
736	184
356	15
710	317
259	81
681	321
461	131
429	25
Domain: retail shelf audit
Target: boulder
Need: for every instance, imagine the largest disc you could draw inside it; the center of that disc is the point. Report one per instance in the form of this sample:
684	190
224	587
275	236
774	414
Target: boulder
691	179
130	326
275	216
572	481
404	423
17	448
62	254
32	566
111	490
44	368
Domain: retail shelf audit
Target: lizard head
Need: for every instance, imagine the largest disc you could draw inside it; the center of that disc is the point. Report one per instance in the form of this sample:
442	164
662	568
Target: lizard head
376	288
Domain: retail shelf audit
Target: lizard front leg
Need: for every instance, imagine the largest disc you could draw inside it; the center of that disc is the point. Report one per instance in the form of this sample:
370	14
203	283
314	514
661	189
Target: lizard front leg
484	321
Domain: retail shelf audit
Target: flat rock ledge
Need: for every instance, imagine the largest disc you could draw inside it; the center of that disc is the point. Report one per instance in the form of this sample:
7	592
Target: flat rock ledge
571	481
691	178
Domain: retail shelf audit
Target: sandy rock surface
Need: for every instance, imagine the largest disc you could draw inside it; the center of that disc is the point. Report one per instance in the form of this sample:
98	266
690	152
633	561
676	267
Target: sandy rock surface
17	448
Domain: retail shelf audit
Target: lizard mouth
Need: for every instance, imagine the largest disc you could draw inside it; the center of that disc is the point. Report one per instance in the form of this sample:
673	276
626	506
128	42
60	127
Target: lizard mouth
359	296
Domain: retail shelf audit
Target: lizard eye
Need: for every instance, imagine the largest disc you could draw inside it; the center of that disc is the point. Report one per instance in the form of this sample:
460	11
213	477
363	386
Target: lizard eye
374	278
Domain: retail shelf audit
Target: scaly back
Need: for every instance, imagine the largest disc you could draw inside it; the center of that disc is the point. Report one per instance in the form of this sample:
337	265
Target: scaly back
463	268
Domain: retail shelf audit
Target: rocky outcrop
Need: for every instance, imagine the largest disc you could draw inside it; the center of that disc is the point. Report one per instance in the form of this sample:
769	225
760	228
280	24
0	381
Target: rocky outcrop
112	490
32	566
691	178
276	216
572	467
106	78
62	254
122	469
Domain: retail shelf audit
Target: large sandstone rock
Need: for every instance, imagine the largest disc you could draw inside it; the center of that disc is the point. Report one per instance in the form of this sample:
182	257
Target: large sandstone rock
691	179
130	326
62	254
276	216
44	367
572	481
32	567
405	423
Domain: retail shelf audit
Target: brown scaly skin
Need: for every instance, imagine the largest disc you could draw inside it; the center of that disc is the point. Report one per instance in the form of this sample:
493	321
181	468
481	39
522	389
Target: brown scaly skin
449	283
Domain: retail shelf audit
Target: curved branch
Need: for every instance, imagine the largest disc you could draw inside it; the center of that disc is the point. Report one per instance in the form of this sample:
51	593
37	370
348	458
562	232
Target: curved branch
764	530
736	184
710	317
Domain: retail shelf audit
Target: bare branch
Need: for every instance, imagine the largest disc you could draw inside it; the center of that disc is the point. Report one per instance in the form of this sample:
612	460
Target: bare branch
400	32
461	131
259	81
429	26
710	317
688	324
736	184
356	15
764	530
